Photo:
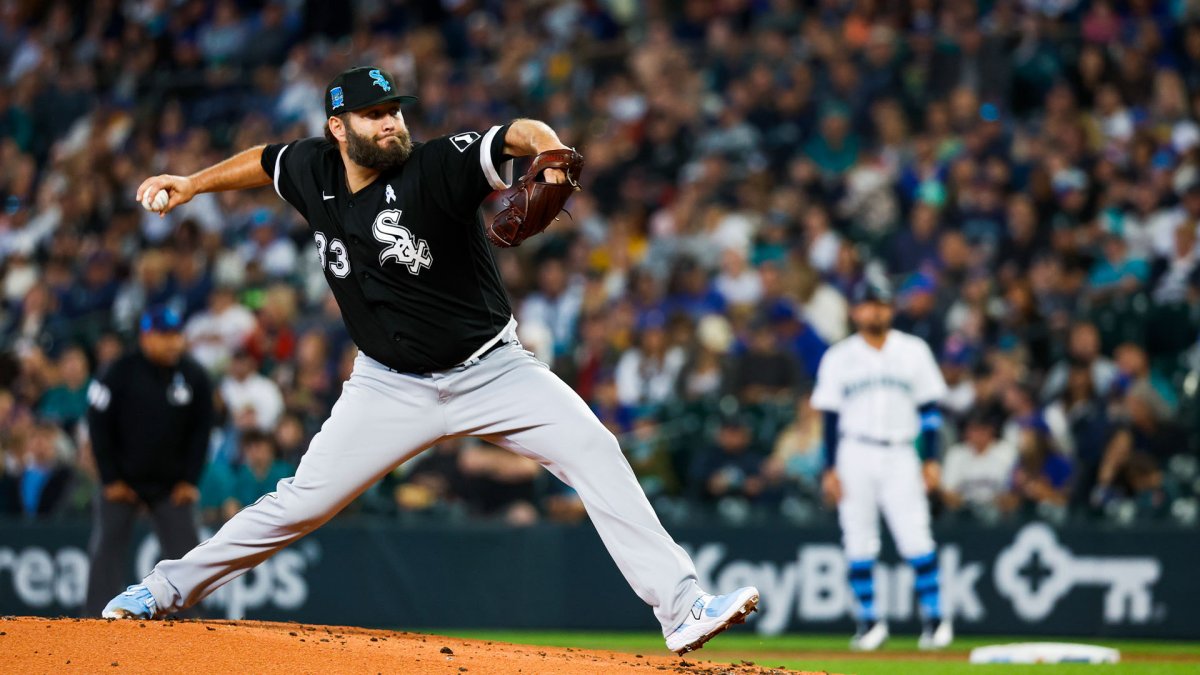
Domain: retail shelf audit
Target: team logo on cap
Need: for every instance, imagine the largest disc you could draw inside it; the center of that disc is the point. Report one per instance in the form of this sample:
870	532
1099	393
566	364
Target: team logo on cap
379	80
335	96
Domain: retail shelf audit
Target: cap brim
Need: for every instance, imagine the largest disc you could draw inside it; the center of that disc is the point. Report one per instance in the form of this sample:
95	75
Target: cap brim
398	98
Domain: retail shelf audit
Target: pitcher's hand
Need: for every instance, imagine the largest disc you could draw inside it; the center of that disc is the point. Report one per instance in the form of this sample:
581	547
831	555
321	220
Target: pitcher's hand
180	190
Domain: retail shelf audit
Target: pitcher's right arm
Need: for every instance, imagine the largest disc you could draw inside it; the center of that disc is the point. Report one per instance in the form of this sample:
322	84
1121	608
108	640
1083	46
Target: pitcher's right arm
243	170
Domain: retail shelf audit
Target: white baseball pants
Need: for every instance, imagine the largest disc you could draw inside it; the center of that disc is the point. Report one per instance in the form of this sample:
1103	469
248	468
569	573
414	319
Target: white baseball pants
384	418
882	478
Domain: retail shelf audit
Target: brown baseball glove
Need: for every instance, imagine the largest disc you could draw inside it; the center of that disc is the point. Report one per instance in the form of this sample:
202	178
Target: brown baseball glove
532	203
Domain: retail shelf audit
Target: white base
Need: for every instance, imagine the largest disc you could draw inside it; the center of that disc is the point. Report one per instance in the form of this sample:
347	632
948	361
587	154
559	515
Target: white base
1044	652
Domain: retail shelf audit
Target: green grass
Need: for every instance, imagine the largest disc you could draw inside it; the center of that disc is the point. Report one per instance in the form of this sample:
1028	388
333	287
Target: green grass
789	650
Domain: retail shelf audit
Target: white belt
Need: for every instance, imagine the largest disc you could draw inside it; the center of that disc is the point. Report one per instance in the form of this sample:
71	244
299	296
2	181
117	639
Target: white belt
879	442
506	334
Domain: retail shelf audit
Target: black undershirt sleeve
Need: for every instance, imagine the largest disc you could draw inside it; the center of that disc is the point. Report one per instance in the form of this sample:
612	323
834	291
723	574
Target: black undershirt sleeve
831	438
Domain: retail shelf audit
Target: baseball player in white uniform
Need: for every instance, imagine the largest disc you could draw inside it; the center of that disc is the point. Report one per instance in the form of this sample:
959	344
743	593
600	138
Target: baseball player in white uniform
879	390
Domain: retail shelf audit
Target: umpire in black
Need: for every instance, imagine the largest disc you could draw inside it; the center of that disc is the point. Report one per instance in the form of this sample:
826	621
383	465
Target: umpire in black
149	415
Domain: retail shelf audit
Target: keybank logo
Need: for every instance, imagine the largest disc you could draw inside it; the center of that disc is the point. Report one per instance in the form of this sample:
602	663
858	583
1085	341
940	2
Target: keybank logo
1036	571
1033	573
813	588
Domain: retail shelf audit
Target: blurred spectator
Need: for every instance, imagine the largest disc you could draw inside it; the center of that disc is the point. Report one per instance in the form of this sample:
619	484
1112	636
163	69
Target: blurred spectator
1173	276
917	312
65	402
1133	370
708	372
823	243
36	323
274	340
433	481
1042	475
498	483
796	337
259	471
1083	349
798	456
645	375
729	469
1086	414
1023	326
1142	431
977	472
1117	272
737	284
216	489
291	438
689	292
1144	482
915	249
1023	411
555	304
215	334
764	372
44	481
253	401
650	458
267	246
834	149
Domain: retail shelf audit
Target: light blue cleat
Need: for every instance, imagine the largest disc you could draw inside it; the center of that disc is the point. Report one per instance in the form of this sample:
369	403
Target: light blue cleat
135	603
710	616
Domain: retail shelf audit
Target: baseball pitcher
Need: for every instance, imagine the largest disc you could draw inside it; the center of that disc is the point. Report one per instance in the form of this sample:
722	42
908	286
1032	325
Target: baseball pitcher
397	229
879	389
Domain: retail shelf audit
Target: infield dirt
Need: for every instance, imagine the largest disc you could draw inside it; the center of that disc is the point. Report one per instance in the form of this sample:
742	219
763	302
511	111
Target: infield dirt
36	645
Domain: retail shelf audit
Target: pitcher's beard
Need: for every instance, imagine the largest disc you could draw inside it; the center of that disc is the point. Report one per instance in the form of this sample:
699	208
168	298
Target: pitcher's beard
366	152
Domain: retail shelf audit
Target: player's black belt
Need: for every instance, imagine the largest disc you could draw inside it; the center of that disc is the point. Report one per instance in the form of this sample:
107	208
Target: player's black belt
878	441
493	348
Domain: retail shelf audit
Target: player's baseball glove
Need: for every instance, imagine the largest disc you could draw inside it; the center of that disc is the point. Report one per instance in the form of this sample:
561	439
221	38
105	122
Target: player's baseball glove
531	203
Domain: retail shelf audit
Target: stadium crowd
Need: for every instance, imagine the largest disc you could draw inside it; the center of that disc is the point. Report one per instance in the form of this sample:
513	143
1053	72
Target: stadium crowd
1027	174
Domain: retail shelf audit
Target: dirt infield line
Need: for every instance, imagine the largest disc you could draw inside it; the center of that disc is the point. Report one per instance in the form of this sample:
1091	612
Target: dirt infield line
38	645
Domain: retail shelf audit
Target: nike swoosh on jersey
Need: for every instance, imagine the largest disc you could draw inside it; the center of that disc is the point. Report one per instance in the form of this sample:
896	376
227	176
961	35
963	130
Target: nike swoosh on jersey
325	196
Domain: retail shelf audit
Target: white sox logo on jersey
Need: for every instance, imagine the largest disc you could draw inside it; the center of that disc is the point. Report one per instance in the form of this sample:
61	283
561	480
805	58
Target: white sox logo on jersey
402	245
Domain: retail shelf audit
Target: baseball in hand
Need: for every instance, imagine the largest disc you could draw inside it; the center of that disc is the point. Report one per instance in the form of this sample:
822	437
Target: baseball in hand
158	204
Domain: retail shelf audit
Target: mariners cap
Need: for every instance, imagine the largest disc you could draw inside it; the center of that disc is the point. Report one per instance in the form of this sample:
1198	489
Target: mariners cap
871	291
361	87
161	319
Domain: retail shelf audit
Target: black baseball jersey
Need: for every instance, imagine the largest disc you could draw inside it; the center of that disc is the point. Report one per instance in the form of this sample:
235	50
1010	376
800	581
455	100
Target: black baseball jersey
150	424
406	256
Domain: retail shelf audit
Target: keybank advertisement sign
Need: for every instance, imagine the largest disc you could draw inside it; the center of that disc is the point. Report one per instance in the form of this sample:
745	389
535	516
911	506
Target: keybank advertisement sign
1032	579
1031	576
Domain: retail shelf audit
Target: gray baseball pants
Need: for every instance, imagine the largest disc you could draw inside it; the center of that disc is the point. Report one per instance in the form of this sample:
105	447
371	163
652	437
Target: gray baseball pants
384	418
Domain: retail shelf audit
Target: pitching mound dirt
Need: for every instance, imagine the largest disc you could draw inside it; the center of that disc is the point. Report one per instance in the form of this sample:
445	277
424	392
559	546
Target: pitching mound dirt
34	645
